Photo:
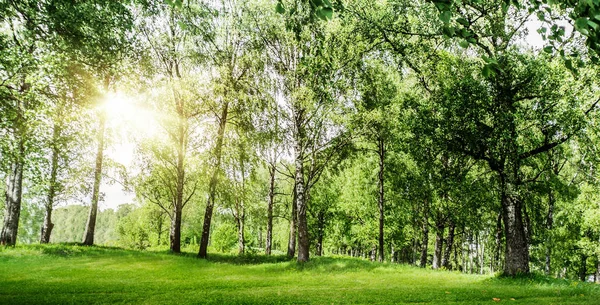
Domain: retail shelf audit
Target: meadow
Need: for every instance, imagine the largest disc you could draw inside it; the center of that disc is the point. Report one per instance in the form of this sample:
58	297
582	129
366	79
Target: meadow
73	274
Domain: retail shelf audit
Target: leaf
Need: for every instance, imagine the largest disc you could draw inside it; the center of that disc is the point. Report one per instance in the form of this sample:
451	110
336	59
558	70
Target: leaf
581	23
463	43
279	8
548	49
325	13
486	71
445	16
462	21
496	299
569	64
593	25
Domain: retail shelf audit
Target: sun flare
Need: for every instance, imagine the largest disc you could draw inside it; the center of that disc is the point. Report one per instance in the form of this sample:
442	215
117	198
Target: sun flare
128	115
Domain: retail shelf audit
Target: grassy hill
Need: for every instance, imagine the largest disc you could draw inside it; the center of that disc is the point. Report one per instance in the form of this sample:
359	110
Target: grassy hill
70	274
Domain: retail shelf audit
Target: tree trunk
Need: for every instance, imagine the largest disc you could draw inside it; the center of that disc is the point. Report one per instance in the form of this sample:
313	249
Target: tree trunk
449	243
241	240
303	239
498	240
269	241
293	224
583	267
320	232
178	207
175	232
88	237
13	195
517	252
439	244
48	225
425	243
598	270
549	225
373	253
212	187
381	152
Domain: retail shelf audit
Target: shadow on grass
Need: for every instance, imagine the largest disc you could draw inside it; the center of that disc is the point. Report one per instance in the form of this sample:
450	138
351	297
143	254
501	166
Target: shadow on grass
537	279
276	262
77	249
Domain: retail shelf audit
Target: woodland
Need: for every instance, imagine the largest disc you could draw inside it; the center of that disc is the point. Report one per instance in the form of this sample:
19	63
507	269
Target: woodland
432	133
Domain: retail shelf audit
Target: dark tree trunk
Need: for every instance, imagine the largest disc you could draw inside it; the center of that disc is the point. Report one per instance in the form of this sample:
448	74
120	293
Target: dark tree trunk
13	195
439	244
381	201
48	225
303	239
241	240
320	232
212	186
88	237
269	241
498	240
423	260
583	267
175	232
597	271
291	252
449	245
178	207
549	225
517	252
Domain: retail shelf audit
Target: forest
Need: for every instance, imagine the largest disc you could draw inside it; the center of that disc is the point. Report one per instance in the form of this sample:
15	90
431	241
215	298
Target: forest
444	134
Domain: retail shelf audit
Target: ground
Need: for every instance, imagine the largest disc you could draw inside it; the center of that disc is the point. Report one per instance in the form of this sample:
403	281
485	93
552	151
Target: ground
71	274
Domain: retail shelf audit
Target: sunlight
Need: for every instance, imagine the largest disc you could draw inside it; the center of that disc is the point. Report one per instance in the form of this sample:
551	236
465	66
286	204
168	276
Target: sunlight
128	115
130	121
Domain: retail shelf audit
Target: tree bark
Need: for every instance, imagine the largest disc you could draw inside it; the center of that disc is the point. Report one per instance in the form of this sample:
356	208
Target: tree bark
293	223
175	234
583	267
88	237
549	225
241	240
320	232
423	260
48	225
212	187
269	241
516	252
439	244
303	239
13	195
449	244
381	153
498	240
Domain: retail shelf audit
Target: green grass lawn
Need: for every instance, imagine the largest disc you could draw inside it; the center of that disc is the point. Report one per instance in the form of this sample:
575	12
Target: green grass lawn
68	274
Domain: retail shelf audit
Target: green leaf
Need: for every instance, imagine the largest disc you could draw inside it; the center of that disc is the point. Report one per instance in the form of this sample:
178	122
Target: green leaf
445	16
581	23
548	49
486	71
325	13
462	21
279	8
569	64
463	43
593	25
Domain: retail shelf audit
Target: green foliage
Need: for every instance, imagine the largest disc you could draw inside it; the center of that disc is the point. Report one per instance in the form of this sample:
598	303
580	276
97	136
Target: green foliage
224	237
133	232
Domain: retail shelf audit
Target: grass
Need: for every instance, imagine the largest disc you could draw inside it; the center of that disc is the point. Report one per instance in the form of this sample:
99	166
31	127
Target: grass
71	274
